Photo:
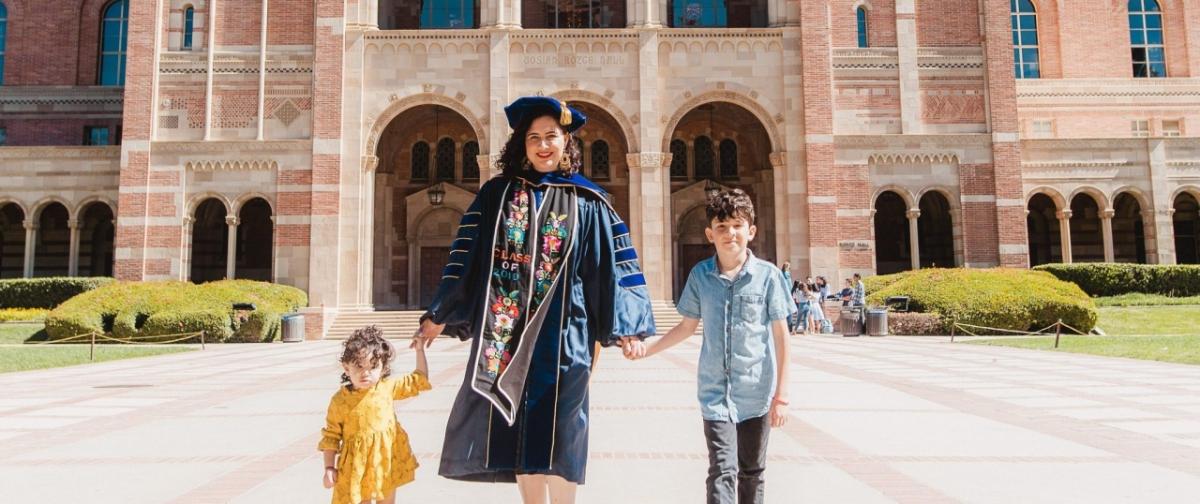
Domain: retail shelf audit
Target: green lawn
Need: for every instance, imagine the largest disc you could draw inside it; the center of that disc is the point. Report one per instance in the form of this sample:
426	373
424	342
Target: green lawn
24	358
15	334
1162	333
16	354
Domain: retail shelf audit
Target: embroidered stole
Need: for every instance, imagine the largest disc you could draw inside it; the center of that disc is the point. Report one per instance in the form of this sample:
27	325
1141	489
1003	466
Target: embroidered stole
528	251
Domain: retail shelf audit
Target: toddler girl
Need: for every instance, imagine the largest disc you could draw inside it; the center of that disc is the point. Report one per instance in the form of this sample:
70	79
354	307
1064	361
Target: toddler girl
367	455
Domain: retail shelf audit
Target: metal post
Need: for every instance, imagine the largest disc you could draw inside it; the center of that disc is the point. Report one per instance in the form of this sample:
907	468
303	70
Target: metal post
953	326
1057	332
92	352
202	340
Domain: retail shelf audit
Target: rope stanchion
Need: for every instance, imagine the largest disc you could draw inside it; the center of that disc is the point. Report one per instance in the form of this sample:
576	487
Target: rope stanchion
93	337
1057	332
92	348
1057	326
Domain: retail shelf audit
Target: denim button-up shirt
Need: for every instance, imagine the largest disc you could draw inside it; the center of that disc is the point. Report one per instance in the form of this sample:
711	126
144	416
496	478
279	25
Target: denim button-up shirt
737	357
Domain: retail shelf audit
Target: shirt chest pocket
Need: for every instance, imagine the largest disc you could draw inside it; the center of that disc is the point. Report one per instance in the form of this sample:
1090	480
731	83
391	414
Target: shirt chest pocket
749	308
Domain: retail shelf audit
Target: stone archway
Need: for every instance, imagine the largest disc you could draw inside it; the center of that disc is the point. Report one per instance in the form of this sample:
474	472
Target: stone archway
1128	229
429	250
52	245
422	147
1087	238
255	241
96	235
12	240
210	242
1042	223
892	248
605	148
1187	228
691	246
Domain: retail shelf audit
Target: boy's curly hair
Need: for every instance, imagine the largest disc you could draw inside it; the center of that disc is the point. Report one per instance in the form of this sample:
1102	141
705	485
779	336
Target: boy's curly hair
730	204
367	342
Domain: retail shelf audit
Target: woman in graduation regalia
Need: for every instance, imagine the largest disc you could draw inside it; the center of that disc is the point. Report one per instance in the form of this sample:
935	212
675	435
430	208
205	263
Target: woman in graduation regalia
542	274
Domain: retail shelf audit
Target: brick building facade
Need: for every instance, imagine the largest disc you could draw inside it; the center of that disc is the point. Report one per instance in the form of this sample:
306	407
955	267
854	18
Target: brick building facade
306	142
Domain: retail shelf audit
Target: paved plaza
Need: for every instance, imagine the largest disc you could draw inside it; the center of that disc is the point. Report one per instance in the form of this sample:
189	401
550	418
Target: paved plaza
873	420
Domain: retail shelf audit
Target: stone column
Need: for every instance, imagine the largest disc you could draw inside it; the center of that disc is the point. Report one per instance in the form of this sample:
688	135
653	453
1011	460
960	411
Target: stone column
211	21
914	245
1106	230
185	266
262	73
31	228
499	92
1162	204
231	253
779	171
1064	235
649	218
73	258
906	59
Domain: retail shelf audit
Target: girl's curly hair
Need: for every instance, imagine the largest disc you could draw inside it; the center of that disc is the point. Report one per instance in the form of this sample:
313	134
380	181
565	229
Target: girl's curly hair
369	343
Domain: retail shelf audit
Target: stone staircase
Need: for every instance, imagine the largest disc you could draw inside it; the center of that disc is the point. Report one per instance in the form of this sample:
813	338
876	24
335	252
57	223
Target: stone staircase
402	324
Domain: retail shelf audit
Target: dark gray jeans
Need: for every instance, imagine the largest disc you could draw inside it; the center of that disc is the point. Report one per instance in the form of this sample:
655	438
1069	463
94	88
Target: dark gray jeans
736	452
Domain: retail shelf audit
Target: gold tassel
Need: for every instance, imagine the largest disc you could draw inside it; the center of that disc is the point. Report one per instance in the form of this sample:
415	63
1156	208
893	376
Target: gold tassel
564	117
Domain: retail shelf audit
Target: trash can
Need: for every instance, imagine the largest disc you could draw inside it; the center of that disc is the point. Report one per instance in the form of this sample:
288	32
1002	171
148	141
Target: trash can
848	322
293	328
877	321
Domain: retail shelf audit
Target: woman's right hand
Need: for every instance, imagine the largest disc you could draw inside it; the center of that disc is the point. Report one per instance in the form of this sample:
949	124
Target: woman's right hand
330	477
428	332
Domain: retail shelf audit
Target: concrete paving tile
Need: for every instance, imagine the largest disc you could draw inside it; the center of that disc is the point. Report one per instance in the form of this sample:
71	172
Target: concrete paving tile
1107	413
1033	482
104	483
36	422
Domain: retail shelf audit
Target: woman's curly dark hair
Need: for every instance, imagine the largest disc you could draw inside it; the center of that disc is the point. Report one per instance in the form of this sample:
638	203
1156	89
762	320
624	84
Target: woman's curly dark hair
512	156
369	343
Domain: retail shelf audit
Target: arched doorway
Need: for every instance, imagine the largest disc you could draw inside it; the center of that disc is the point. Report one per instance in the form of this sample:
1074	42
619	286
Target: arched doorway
604	148
935	231
1045	239
96	235
255	241
720	143
52	249
1087	236
891	234
691	246
422	147
210	242
12	241
1187	229
431	247
1128	229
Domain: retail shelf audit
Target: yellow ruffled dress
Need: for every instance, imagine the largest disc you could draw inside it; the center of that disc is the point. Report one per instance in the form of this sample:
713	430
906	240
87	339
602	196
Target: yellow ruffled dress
374	456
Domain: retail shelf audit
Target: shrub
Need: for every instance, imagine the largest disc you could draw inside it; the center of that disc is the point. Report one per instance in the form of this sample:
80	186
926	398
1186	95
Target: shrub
45	292
165	308
1011	299
915	324
23	314
1107	279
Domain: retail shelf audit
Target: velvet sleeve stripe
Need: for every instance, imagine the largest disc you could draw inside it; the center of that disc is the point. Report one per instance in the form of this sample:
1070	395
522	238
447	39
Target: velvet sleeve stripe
619	229
631	281
625	255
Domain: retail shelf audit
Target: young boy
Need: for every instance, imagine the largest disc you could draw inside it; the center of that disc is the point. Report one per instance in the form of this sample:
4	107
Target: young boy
743	381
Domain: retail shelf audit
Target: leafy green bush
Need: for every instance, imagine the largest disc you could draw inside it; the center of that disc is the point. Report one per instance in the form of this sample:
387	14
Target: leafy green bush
1108	279
163	308
45	292
915	324
1011	299
23	314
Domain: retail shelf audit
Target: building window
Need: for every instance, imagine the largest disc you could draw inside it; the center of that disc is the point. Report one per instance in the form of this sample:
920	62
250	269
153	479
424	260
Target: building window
470	160
1140	128
445	159
420	161
1041	128
447	14
699	14
3	136
679	159
3	36
1146	39
95	135
573	14
704	157
113	41
1025	40
189	22
860	15
729	159
1172	128
600	160
428	14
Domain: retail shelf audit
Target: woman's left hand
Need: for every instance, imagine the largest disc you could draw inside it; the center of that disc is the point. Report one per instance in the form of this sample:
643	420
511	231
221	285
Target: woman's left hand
632	347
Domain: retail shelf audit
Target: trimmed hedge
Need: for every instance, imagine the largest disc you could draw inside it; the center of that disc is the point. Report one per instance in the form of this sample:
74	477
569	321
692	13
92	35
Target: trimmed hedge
915	324
1012	299
23	314
142	309
1108	279
45	292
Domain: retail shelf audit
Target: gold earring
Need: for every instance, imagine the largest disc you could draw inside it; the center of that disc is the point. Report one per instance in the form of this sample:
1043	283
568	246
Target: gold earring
564	164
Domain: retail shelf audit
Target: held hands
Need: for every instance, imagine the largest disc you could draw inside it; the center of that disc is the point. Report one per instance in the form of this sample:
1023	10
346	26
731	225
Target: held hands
330	477
425	335
632	347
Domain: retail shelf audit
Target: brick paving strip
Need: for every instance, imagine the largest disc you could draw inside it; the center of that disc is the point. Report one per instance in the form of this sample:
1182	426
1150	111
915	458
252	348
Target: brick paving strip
1128	445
